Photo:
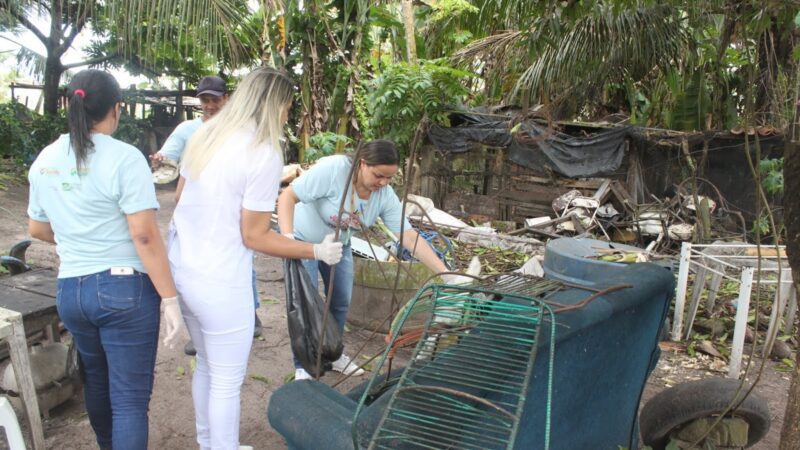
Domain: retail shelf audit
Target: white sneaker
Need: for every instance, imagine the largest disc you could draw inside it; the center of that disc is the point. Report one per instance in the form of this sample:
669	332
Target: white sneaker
301	374
245	447
347	367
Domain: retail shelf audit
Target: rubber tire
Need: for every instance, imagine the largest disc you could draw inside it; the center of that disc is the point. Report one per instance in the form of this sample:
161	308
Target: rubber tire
681	404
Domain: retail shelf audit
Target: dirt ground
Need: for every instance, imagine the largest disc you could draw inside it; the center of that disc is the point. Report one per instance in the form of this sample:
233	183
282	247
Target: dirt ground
171	411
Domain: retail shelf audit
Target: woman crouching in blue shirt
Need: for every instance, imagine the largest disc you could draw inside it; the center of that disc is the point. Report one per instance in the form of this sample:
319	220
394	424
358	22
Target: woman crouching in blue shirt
309	207
93	197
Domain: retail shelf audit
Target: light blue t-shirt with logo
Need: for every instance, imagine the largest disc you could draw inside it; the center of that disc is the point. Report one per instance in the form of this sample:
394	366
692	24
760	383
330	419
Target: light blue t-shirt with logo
86	208
320	191
176	142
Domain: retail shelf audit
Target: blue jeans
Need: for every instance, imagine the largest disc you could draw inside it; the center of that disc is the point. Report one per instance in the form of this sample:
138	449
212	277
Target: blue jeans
342	285
114	320
256	300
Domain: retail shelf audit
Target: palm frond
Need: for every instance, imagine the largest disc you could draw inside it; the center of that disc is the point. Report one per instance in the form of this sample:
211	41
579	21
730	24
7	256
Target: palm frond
30	63
214	23
604	46
493	46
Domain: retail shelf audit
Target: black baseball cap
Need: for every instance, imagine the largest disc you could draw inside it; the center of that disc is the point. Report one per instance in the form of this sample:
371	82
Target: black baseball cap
211	86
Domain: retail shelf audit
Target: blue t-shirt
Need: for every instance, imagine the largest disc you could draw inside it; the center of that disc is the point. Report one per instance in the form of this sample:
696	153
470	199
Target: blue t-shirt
176	142
320	191
87	209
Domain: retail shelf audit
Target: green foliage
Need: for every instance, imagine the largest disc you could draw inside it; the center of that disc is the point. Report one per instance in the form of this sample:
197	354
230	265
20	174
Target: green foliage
324	144
691	101
772	175
761	225
131	130
360	105
445	9
23	133
403	94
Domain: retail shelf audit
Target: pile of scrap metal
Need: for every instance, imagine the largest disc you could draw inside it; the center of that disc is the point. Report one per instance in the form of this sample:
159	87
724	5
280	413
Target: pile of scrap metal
611	214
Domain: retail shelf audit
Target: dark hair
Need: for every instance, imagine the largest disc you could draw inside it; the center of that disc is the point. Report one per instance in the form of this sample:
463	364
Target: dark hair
92	94
379	152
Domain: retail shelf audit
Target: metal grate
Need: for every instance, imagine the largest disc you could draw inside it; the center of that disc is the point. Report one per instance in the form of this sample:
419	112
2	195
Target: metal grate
479	343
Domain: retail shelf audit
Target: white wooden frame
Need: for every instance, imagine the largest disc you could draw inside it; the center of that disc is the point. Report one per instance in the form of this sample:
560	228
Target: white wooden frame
692	255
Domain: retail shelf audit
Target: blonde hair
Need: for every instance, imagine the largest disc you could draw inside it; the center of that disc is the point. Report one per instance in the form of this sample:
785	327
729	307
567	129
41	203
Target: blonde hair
259	99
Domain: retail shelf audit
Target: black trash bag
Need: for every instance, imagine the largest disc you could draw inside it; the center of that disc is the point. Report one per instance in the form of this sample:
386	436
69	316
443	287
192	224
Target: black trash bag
305	309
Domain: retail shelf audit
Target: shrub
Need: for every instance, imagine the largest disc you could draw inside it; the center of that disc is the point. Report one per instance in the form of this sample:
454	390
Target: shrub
23	133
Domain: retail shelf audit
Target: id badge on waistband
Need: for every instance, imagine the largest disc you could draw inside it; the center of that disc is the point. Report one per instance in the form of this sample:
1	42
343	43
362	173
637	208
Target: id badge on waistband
122	271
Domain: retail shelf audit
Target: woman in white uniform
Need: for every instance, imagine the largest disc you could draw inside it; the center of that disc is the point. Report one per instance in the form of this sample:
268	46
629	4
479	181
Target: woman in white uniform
231	174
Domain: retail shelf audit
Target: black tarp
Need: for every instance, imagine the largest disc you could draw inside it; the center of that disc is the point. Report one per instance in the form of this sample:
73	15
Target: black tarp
534	146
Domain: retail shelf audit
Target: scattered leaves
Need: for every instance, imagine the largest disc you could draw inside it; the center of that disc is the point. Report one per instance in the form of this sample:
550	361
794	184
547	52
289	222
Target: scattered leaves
269	301
262	378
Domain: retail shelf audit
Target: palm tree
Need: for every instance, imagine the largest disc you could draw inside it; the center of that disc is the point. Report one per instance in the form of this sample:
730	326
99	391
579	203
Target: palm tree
137	24
568	62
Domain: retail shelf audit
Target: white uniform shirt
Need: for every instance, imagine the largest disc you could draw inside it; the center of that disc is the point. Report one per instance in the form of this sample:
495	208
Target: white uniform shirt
208	238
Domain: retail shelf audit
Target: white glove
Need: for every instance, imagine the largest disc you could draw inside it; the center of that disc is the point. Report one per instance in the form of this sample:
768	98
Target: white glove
173	321
328	251
474	268
454	279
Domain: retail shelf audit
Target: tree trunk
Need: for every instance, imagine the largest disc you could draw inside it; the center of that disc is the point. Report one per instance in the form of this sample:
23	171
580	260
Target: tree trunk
790	434
52	76
408	23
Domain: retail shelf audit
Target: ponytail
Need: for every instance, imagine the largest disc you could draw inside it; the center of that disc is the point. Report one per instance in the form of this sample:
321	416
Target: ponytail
92	94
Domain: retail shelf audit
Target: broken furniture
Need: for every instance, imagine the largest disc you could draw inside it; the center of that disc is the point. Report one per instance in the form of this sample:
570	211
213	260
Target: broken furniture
32	295
604	350
465	384
739	263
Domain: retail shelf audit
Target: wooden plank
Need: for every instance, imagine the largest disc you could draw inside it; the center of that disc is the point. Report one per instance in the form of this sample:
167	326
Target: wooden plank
32	294
680	294
602	192
471	204
29	304
622	195
564	183
782	293
742	309
20	360
41	281
548	192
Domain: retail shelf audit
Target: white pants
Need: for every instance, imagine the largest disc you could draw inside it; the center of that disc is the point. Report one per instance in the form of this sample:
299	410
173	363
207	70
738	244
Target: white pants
220	320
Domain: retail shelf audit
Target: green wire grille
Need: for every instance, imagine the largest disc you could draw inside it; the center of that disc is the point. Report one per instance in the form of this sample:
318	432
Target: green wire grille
479	342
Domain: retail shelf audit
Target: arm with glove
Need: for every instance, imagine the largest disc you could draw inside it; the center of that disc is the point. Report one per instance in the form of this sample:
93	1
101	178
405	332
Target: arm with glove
257	235
146	238
424	253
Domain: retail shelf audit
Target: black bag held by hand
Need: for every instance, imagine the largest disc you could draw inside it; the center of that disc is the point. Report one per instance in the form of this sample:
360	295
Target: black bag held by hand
305	309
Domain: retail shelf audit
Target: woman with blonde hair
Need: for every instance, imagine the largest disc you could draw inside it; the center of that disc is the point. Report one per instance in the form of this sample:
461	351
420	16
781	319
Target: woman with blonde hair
230	176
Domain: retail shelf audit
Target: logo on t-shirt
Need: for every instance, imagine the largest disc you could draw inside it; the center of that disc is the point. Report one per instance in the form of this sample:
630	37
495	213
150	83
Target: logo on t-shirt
348	221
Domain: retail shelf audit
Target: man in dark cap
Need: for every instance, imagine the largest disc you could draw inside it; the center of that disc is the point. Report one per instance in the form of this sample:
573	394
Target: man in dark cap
213	94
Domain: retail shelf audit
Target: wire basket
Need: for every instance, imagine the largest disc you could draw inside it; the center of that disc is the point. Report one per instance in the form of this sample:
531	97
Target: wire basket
468	378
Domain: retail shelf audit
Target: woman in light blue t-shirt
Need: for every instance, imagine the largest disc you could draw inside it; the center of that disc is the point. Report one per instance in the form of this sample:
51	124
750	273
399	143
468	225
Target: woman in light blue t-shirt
93	197
309	208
